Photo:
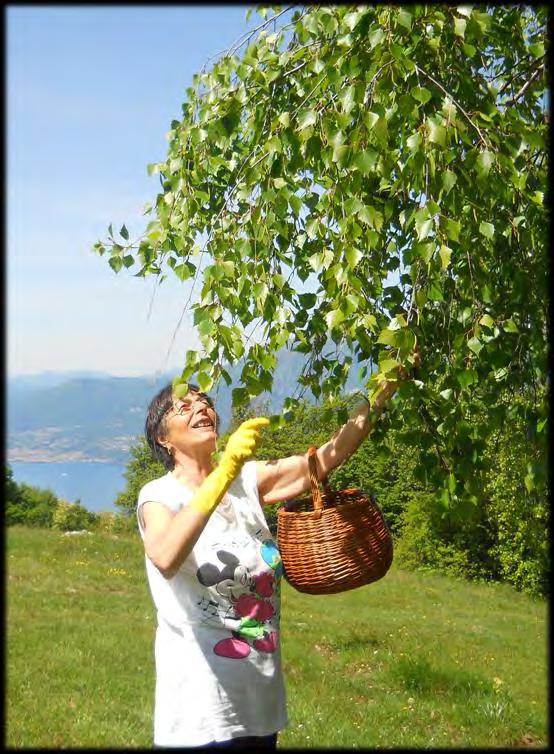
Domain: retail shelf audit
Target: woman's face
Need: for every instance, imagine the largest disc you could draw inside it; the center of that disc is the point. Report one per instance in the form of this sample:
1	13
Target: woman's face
190	423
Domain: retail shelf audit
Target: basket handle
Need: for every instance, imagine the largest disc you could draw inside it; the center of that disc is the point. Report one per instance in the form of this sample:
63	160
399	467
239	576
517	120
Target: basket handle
312	467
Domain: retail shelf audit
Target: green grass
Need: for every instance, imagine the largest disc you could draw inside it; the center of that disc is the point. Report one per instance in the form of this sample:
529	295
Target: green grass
418	661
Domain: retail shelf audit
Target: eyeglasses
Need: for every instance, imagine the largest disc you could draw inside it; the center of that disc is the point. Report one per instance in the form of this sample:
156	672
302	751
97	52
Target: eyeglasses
186	406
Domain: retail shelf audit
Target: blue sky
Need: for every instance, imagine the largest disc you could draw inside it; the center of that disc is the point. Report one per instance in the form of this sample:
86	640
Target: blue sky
91	94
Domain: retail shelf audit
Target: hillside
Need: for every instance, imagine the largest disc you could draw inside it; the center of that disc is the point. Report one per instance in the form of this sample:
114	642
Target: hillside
97	417
414	661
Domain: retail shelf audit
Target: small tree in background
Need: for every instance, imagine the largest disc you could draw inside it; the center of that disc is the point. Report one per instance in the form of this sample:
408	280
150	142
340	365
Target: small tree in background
72	516
28	505
142	467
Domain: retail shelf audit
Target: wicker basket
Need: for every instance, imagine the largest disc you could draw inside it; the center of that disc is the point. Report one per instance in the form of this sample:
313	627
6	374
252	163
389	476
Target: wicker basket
333	541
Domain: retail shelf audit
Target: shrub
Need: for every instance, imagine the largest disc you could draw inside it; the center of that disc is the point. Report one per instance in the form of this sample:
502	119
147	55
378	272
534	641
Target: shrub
28	505
518	516
142	467
115	523
431	539
72	516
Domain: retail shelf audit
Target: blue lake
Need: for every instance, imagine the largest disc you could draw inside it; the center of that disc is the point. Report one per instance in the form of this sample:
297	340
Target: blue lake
96	485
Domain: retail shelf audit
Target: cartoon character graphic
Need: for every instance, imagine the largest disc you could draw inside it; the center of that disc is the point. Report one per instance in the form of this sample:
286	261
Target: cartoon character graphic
247	599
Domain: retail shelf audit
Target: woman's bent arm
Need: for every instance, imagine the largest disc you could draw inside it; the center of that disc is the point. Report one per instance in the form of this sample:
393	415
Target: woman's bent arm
169	537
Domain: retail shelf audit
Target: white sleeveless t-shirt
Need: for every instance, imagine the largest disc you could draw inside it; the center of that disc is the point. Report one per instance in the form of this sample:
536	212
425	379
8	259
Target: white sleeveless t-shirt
217	648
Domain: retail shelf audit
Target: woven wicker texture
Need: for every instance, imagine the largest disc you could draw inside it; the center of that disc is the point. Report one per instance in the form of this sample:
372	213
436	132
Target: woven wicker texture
333	541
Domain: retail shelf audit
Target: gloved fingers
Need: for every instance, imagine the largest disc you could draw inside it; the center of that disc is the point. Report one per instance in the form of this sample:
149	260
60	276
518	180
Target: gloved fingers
256	423
242	447
243	442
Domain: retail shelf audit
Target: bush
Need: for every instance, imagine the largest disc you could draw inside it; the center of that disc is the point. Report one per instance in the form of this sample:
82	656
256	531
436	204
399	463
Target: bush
518	516
142	467
72	516
27	505
115	523
504	536
432	539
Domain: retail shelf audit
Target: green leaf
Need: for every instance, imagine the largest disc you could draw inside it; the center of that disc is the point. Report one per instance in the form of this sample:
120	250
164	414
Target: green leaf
500	374
124	233
529	481
340	152
388	365
434	292
423	223
486	294
445	254
389	337
353	256
382	131
352	19
464	10
425	251
475	345
365	215
537	50
510	326
307	118
437	134
404	19
184	271
296	204
371	118
347	99
449	180
115	263
334	318
452	229
365	161
486	229
421	94
446	394
180	389
467	377
376	37
483	163
460	27
239	396
284	119
204	381
487	321
414	142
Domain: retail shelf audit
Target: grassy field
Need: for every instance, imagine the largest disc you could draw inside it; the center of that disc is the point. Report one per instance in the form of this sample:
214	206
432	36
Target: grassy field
418	661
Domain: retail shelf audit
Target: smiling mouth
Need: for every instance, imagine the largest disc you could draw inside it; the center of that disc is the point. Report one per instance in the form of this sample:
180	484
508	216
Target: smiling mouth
203	424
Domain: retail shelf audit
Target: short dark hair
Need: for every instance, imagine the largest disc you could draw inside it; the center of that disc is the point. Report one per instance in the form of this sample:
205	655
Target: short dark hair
154	426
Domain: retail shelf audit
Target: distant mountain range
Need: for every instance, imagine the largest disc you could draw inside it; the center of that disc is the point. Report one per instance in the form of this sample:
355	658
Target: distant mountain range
94	416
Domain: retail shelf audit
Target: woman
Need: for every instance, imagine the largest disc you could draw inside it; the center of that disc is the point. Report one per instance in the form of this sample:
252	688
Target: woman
214	571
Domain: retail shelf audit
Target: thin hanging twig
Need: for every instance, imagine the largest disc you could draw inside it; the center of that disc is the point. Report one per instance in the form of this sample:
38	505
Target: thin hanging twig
441	87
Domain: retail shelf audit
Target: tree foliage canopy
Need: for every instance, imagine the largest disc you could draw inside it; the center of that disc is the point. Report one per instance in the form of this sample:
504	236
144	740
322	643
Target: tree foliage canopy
348	181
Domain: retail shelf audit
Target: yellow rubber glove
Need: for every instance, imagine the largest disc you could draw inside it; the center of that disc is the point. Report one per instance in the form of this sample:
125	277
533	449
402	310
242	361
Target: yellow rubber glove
240	447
